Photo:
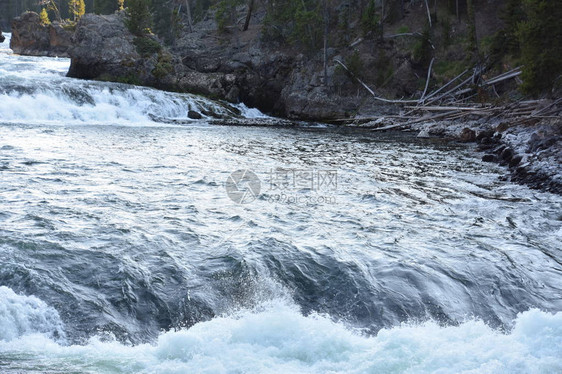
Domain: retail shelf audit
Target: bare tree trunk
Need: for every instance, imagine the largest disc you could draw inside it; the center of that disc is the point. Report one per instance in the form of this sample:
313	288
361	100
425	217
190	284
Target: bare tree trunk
428	13
248	15
189	20
325	43
435	10
458	15
382	19
427	79
57	11
471	18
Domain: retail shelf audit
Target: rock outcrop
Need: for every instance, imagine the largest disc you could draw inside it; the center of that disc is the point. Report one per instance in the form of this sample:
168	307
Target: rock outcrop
104	49
2	37
236	67
30	37
239	66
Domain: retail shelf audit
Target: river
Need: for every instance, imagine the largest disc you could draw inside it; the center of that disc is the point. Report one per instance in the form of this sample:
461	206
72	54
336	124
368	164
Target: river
130	246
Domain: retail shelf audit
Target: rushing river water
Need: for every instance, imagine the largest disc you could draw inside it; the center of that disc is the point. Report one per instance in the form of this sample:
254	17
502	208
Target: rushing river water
125	246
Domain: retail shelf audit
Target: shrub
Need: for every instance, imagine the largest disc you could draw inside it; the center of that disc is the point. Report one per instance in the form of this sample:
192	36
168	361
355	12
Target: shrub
355	64
370	20
147	46
225	10
163	66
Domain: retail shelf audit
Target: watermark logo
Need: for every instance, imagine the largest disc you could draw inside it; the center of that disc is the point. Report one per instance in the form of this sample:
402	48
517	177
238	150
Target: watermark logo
286	186
243	186
302	179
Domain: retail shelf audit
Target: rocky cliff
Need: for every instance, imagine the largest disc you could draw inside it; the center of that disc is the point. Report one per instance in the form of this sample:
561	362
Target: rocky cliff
236	67
103	49
31	37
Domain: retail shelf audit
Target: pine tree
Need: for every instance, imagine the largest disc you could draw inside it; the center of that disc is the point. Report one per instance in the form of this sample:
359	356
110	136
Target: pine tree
512	16
51	5
139	19
540	38
162	16
77	8
472	41
44	17
225	13
107	6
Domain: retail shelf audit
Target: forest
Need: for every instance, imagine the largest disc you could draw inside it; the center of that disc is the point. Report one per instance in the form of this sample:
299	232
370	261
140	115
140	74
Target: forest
530	34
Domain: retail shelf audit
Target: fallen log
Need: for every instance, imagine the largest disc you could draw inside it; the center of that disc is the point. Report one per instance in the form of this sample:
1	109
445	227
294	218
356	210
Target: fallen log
390	127
370	90
501	78
446	85
417	34
445	108
447	93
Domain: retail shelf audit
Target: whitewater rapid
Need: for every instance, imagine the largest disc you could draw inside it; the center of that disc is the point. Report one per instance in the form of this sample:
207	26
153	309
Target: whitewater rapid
122	249
35	91
277	338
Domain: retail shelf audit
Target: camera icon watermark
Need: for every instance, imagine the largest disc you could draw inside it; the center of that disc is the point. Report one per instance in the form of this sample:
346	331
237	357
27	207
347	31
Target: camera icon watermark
243	186
284	185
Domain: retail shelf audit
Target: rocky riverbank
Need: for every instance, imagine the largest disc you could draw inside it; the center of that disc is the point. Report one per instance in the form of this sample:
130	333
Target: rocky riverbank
30	37
532	154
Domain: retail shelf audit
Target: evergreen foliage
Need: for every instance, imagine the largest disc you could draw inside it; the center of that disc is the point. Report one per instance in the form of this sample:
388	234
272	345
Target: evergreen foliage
531	35
162	16
294	22
225	12
147	46
422	49
370	19
107	6
472	42
540	38
139	17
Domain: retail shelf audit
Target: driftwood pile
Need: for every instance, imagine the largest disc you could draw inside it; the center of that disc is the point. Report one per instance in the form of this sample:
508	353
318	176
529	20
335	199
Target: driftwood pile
452	101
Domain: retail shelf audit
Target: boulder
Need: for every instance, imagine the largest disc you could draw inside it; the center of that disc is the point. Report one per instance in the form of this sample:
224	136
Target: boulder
30	37
502	127
104	49
467	135
506	156
194	115
2	37
482	135
499	149
516	160
489	158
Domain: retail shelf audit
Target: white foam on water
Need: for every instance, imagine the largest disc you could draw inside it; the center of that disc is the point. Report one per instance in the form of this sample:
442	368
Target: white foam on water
23	315
100	103
278	338
34	90
250	112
